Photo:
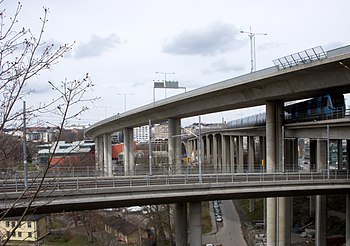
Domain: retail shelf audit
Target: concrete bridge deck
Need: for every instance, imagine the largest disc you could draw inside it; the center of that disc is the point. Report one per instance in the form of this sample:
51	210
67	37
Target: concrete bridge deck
71	194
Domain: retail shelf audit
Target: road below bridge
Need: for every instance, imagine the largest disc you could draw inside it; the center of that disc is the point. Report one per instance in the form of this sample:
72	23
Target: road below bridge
230	232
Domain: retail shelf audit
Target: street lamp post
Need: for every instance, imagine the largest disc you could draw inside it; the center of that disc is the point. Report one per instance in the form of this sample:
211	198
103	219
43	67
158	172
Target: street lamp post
165	73
251	35
124	94
199	137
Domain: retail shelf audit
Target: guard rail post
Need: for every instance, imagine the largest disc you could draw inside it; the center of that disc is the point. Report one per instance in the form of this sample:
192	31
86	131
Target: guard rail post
16	183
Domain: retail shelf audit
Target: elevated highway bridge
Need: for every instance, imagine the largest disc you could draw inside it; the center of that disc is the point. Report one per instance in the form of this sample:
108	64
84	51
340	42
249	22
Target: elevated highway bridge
271	87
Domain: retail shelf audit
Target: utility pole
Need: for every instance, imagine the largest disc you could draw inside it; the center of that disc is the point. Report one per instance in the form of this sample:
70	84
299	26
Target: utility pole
24	141
251	35
124	94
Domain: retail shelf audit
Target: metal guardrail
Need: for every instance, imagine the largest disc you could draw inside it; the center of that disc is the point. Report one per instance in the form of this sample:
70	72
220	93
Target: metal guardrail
76	183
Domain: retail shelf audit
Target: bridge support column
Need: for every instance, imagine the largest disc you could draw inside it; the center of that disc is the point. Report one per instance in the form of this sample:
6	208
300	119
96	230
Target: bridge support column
181	223
240	162
195	223
321	200
107	154
321	220
219	152
273	154
207	146
174	144
291	155
347	154
215	153
251	161
340	154
321	155
262	153
225	147
347	232
232	154
99	155
284	220
129	162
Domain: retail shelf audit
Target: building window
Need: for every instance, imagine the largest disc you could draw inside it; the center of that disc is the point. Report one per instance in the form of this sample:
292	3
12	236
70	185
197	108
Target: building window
7	223
29	224
13	223
19	234
29	234
14	234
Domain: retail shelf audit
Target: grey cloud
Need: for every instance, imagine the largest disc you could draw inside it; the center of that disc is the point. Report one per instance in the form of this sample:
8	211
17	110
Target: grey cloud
95	46
216	38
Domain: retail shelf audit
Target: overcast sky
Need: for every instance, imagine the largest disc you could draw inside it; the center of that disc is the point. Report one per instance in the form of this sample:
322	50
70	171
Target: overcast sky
122	44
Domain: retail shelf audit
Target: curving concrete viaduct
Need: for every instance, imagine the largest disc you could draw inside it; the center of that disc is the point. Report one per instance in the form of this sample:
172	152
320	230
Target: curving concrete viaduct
270	87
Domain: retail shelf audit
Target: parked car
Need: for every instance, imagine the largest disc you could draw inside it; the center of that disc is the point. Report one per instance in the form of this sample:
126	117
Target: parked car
219	218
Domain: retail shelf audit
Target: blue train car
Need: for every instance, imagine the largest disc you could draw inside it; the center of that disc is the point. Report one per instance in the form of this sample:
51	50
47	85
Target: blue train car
329	106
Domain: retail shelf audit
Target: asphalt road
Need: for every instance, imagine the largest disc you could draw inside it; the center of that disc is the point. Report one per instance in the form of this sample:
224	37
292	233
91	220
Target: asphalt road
229	231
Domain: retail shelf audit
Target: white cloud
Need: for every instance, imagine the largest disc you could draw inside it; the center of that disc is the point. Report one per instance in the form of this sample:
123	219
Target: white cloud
215	38
95	46
224	66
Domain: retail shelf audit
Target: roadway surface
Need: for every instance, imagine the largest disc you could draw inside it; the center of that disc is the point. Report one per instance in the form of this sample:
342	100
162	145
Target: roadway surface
230	232
78	194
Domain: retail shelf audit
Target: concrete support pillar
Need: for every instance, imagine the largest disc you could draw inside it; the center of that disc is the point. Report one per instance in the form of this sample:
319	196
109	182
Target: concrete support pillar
189	148
251	166
232	154
291	155
181	223
215	153
321	155
240	163
340	154
262	153
273	155
271	226
223	153
129	161
195	223
107	154
99	155
313	151
270	137
284	220
321	220
251	162
208	159
295	154
347	154
270	168
174	144
347	229
219	152
202	152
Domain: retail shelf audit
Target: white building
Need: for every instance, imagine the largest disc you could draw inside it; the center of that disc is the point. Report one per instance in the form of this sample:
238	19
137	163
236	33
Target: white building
141	134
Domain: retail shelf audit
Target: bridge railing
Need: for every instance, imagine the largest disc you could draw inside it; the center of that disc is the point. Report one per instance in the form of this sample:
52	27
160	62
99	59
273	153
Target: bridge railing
161	169
75	183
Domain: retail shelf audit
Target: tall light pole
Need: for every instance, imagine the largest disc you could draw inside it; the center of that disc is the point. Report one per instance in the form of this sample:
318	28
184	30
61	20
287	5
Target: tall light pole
165	73
124	94
25	164
251	35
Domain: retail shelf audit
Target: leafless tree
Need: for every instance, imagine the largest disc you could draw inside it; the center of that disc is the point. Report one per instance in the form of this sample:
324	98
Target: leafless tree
23	55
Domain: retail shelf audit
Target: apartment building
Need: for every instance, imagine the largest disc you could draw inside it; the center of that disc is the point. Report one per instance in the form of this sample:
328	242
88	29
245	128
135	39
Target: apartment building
32	229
